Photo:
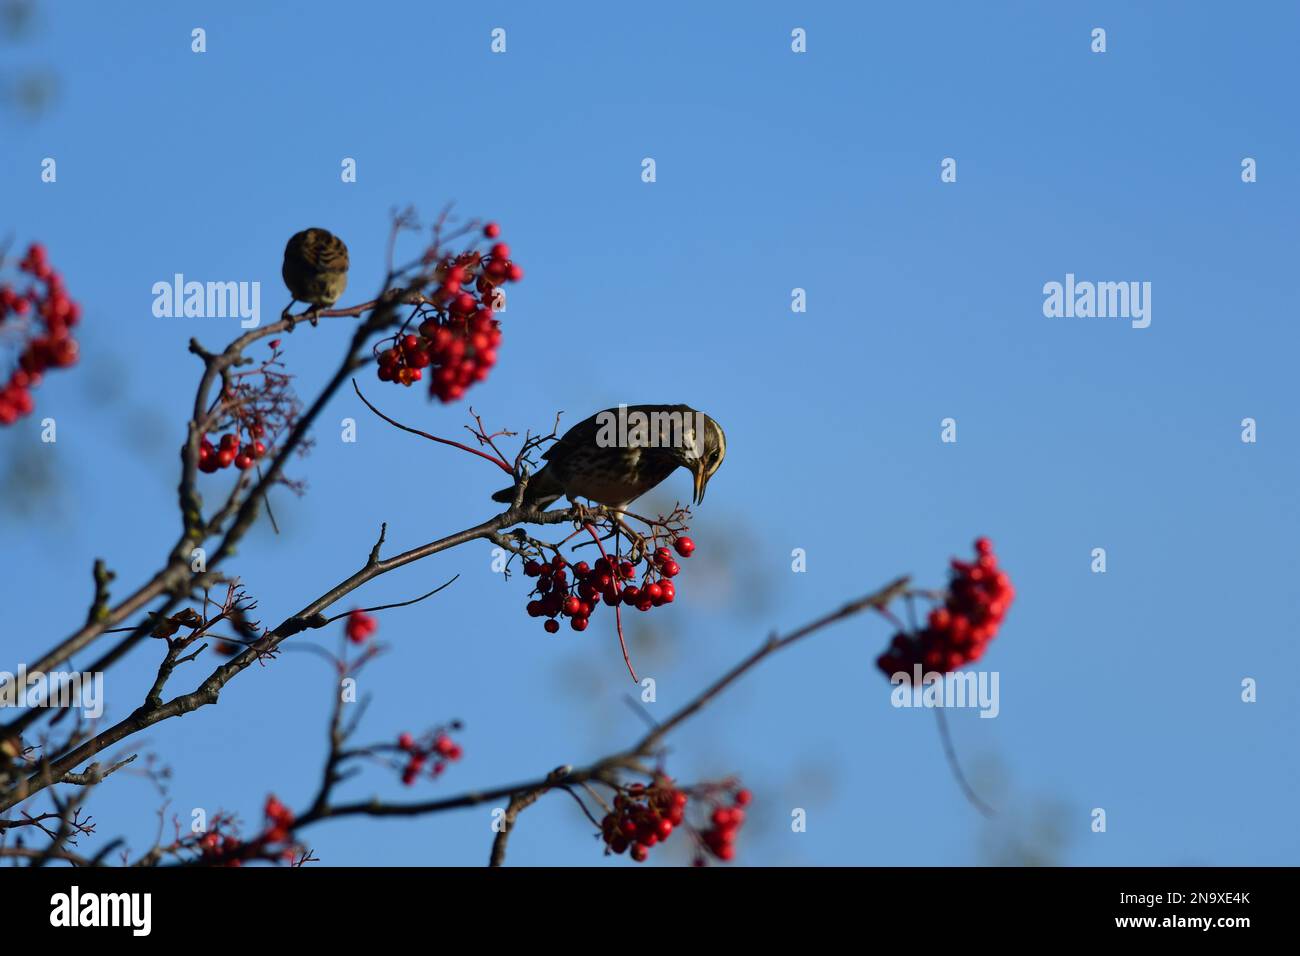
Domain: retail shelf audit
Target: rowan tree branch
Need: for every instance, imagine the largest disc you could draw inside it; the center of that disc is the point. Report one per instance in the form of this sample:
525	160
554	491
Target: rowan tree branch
605	770
177	579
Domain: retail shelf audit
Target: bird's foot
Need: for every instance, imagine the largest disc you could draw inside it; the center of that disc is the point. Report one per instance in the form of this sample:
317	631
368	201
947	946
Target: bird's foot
581	514
640	547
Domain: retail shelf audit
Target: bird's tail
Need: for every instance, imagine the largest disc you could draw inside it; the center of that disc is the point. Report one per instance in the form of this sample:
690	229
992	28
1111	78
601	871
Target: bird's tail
542	491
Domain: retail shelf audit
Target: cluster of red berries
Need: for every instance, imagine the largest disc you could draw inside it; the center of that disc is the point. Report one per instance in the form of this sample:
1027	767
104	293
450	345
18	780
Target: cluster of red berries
957	633
49	344
643	816
361	626
458	335
279	821
230	449
724	824
221	850
437	745
273	843
556	595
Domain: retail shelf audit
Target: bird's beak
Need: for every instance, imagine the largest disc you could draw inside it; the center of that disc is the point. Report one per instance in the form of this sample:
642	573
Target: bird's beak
701	479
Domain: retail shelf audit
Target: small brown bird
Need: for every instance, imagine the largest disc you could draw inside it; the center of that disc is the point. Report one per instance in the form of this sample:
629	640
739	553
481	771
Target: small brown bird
315	267
619	454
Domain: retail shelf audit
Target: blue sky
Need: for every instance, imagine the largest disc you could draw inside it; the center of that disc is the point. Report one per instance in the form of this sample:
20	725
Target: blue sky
774	171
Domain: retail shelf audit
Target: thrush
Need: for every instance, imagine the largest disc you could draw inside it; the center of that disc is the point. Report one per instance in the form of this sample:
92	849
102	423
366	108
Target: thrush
616	456
315	267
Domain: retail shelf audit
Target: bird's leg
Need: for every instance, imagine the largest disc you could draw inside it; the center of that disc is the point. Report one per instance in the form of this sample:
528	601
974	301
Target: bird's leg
638	541
582	515
287	316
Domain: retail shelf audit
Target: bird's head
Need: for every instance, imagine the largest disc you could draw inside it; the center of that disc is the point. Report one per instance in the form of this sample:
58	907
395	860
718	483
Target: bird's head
703	450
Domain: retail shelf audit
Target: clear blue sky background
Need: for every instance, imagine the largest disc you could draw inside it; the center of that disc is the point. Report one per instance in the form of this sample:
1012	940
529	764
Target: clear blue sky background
775	171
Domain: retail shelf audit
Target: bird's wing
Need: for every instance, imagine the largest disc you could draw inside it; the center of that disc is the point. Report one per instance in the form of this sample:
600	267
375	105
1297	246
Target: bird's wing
580	435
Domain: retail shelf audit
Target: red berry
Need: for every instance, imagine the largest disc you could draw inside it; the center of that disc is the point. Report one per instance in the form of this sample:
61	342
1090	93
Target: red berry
492	230
684	546
360	626
551	626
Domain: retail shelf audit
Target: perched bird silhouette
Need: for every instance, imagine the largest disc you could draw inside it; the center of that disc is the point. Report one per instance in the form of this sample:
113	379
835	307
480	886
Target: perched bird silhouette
315	267
617	455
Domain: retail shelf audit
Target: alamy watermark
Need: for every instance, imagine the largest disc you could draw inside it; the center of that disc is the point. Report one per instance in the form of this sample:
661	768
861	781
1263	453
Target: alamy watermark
75	908
1102	300
660	429
59	689
950	689
209	300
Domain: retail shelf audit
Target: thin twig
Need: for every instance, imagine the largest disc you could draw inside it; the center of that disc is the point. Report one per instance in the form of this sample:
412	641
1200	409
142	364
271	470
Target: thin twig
385	607
950	752
499	462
